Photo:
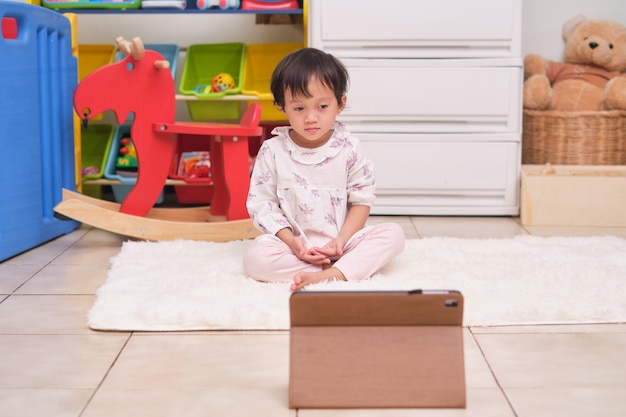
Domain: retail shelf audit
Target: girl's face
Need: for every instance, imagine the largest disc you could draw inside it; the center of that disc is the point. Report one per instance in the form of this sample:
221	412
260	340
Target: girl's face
312	118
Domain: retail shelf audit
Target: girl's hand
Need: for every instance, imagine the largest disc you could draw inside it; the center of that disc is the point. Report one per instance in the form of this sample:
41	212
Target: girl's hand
333	250
302	252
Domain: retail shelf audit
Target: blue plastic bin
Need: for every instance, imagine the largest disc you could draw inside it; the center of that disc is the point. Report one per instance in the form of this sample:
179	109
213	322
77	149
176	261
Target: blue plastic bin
36	125
110	171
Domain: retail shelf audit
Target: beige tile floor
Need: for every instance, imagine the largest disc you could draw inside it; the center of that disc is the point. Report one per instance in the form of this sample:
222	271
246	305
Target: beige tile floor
53	365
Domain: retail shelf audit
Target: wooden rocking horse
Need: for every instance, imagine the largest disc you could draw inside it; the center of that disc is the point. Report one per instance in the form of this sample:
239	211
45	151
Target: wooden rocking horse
142	83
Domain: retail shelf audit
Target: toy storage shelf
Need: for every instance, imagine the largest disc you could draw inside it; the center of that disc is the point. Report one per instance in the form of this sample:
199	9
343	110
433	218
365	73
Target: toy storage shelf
232	97
179	11
105	181
105	24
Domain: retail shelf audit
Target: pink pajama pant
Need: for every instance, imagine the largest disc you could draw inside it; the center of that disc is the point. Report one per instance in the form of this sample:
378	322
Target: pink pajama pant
269	259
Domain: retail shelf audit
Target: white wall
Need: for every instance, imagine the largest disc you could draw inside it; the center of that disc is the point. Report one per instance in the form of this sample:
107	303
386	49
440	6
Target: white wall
543	19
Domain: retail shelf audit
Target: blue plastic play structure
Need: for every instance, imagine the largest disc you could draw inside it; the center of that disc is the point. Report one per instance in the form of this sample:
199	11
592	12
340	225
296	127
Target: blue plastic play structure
38	77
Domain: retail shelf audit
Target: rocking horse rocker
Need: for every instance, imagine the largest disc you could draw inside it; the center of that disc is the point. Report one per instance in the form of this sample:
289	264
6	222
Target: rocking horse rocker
142	83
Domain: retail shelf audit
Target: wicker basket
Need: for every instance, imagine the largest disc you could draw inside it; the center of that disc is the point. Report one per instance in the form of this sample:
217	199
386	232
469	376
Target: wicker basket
574	138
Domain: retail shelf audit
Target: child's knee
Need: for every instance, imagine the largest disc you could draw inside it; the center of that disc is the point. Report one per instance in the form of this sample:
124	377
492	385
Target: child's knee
261	261
253	262
395	236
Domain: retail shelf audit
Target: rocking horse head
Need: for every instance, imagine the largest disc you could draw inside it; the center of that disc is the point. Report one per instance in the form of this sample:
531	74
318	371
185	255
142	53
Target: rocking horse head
139	83
142	84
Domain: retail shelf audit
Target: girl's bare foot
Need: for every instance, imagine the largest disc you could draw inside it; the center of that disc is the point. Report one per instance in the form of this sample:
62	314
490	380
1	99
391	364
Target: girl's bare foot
303	279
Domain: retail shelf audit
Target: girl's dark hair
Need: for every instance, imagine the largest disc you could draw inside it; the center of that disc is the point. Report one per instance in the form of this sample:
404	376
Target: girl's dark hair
295	70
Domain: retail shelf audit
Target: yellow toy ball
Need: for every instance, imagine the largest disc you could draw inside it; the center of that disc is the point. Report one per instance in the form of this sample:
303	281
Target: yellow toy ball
222	82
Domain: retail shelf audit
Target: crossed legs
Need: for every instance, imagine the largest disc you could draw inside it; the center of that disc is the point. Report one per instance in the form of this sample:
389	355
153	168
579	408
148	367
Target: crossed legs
270	260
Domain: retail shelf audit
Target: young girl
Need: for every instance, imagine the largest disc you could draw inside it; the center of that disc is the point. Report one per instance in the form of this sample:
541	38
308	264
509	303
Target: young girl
312	186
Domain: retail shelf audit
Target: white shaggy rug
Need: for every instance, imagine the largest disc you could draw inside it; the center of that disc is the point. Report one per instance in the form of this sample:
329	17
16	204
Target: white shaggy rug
188	285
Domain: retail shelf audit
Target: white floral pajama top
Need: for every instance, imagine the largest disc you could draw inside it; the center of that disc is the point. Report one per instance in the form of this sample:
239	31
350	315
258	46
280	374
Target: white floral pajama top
309	190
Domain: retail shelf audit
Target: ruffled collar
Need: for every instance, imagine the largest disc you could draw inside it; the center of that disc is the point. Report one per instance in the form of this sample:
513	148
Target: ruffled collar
313	156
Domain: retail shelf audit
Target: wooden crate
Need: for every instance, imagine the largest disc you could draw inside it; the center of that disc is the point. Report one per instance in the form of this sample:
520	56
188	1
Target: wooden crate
573	195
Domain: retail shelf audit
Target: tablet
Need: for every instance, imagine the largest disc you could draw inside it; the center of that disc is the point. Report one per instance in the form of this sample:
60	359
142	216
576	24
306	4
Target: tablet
376	349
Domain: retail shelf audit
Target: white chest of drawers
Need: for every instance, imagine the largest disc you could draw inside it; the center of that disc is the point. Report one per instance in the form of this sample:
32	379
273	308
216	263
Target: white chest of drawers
435	97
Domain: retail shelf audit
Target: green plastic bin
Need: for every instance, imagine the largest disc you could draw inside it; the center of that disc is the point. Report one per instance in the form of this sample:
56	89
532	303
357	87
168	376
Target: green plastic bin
95	142
202	63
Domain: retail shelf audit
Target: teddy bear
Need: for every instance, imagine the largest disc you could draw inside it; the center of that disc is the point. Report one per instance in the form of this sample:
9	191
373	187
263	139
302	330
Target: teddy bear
591	78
